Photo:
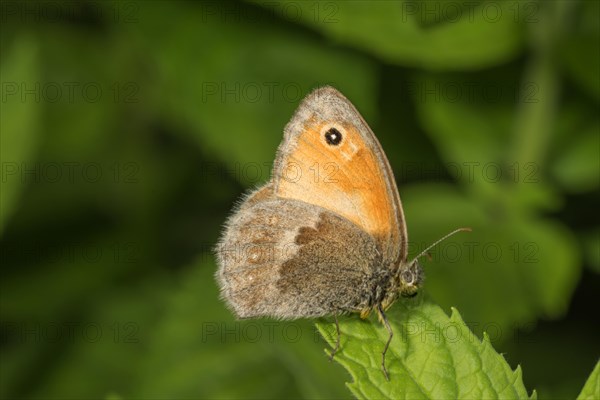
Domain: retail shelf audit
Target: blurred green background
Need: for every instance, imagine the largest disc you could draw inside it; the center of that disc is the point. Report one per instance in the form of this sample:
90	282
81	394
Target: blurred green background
129	129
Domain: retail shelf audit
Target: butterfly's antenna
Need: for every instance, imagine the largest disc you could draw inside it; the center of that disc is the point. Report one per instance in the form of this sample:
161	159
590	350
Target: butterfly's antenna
441	240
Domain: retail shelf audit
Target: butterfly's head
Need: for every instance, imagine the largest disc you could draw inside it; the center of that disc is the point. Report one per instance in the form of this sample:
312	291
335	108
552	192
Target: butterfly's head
409	279
405	282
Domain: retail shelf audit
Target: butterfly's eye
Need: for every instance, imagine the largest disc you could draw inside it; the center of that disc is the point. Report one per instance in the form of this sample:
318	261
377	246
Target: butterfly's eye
408	277
333	137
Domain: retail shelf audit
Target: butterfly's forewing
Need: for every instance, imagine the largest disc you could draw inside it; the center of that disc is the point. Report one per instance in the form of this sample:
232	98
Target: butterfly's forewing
351	178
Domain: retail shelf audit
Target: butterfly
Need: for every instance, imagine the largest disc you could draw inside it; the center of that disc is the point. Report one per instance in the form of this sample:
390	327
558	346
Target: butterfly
326	235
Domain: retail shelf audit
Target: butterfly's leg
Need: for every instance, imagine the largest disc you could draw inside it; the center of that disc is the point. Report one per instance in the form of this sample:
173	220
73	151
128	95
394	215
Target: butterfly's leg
337	342
387	344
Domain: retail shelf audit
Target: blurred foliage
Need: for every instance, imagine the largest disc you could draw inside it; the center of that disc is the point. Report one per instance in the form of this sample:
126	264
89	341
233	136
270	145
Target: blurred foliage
129	129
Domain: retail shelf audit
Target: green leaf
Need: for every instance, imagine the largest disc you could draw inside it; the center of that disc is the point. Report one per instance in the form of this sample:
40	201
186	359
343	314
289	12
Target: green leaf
232	105
19	122
472	121
577	168
85	111
591	390
518	268
440	35
104	352
577	50
65	274
432	356
591	246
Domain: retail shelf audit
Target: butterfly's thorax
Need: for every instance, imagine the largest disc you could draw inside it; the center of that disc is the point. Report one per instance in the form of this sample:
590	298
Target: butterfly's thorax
379	290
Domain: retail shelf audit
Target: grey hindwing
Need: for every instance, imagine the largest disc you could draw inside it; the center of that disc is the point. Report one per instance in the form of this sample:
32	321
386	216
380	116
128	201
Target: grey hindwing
289	259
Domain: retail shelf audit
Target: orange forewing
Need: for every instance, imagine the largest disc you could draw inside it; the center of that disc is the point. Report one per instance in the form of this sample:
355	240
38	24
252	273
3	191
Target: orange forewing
346	179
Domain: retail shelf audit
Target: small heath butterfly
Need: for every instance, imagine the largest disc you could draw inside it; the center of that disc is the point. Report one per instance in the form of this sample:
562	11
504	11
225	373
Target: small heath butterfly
326	235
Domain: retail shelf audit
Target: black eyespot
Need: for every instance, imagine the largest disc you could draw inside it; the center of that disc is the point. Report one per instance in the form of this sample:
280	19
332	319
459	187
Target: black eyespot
333	137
